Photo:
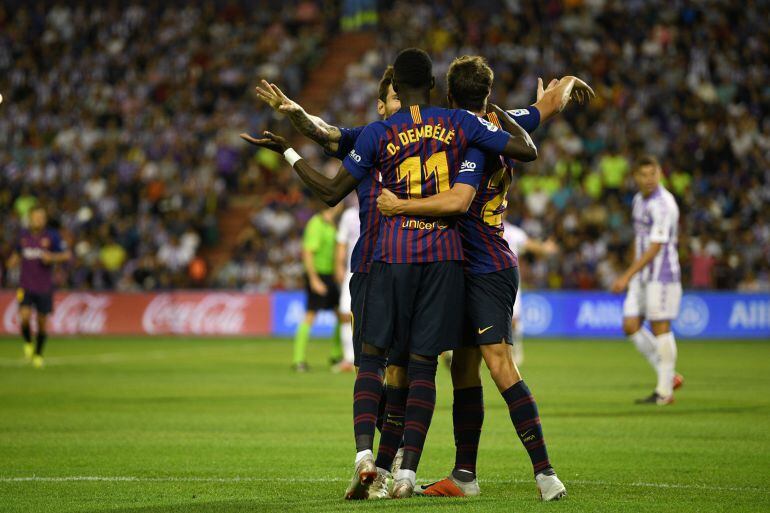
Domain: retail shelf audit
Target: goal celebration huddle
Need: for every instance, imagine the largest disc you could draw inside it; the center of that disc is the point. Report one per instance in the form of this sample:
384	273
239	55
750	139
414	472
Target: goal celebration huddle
431	269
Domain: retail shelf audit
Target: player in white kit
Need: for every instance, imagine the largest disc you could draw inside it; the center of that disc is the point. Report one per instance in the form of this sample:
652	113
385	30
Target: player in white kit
348	231
521	243
653	279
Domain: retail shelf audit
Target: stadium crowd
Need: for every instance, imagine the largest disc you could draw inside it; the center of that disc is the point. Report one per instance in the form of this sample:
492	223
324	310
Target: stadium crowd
134	151
123	120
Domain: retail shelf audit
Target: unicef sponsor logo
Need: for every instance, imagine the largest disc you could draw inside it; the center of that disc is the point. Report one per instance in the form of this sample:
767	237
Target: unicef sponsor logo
355	156
693	316
536	314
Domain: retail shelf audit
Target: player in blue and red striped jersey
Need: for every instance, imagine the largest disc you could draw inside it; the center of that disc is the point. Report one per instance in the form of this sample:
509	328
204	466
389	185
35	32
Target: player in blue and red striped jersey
338	142
39	249
415	290
491	284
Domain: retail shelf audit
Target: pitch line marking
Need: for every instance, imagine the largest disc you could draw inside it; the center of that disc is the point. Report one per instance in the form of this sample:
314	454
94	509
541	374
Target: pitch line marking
236	479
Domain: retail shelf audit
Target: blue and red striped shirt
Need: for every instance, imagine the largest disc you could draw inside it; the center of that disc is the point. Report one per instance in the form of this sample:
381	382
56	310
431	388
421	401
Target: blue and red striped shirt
481	228
367	191
419	152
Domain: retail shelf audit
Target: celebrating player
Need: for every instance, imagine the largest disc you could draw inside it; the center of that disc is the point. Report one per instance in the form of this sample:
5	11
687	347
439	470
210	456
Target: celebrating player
491	285
653	280
318	246
338	142
39	249
417	271
521	243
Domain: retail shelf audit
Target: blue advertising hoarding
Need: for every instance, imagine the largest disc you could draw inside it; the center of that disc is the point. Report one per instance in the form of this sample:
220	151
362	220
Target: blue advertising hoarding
715	315
600	315
288	311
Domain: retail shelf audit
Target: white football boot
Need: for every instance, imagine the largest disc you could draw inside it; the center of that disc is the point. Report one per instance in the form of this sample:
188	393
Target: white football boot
550	488
363	477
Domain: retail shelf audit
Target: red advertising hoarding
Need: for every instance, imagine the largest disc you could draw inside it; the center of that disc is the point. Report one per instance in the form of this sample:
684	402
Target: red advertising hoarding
172	313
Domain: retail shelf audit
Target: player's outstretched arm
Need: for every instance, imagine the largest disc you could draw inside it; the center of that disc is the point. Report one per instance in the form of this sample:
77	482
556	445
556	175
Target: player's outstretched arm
520	145
559	93
453	202
312	127
329	190
622	282
541	247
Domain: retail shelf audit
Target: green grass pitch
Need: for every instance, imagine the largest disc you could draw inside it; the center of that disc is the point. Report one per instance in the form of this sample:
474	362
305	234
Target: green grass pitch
213	425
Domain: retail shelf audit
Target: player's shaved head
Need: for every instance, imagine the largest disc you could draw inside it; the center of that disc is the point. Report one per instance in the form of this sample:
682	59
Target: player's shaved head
469	82
413	69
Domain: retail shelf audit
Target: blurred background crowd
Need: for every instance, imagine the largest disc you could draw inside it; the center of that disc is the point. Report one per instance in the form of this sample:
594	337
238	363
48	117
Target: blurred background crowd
134	150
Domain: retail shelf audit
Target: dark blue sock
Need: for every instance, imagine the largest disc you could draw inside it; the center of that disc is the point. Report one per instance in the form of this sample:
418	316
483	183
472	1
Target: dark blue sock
526	421
366	399
419	410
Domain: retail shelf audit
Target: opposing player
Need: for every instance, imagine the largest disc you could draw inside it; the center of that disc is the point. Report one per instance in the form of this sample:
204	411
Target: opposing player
521	243
653	280
318	247
348	233
39	248
491	286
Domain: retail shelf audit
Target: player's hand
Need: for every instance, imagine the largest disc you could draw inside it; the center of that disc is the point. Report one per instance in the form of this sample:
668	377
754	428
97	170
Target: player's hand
620	284
388	203
550	247
270	141
540	91
273	96
318	286
46	257
581	92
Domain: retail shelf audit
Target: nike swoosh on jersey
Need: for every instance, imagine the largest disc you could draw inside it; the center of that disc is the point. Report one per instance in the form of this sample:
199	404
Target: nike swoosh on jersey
481	332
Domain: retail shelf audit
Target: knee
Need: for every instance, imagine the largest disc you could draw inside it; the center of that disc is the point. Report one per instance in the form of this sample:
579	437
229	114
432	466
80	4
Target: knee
660	327
631	326
309	317
465	375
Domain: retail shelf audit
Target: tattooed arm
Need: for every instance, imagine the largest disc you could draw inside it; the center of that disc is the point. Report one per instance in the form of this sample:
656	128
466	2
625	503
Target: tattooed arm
312	127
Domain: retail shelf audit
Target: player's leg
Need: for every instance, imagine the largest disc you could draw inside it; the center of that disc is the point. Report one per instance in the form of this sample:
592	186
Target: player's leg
376	333
518	331
467	421
392	416
367	393
301	339
331	301
435	325
42	336
663	305
346	326
44	306
634	310
420	405
525	417
25	316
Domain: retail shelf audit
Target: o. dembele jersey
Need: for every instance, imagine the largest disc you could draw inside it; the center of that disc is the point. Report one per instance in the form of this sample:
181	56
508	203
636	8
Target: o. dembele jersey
36	276
418	152
481	228
656	219
367	191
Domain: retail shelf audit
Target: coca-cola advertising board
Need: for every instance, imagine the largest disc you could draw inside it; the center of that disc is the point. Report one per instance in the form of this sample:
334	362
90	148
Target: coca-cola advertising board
178	313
